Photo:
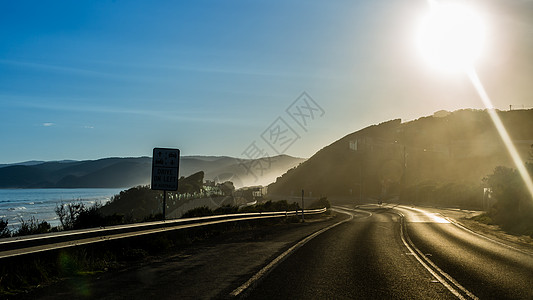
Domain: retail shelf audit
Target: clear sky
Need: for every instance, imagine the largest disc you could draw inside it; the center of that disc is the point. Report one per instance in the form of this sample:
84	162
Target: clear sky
92	79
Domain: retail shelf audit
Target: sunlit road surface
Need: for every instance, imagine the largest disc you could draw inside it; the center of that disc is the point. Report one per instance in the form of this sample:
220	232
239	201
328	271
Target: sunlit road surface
371	257
487	268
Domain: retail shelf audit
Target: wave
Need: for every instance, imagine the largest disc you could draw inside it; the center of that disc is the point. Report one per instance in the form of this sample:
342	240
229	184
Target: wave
17	208
8	201
25	201
41	203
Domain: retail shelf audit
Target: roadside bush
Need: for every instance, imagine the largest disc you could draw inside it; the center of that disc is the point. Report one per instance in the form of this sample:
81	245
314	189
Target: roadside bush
281	205
153	217
484	218
320	203
33	226
80	216
117	219
68	213
198	212
513	209
226	209
88	217
4	230
137	203
271	206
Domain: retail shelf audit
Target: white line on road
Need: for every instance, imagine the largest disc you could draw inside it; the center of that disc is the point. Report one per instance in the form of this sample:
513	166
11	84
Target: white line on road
434	269
265	270
369	214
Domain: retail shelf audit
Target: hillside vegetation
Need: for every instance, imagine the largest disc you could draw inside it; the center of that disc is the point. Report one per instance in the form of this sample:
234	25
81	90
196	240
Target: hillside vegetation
440	159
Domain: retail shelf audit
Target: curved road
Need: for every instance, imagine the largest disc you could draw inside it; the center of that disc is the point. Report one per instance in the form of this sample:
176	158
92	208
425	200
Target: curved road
375	256
487	268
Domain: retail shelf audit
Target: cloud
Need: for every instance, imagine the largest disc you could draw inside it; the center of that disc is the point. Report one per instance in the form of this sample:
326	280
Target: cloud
56	68
88	127
48	124
55	104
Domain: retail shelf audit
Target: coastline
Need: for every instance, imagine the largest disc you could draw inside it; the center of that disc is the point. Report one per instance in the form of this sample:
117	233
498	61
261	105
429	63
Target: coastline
17	204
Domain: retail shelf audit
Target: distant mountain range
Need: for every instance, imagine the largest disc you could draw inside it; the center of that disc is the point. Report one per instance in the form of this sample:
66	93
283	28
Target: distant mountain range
128	172
445	150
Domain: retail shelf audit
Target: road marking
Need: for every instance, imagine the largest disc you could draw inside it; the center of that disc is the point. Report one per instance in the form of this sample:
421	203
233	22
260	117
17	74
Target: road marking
444	219
369	214
265	270
423	216
439	274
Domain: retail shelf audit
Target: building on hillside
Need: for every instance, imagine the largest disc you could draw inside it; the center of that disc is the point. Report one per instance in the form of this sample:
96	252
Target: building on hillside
251	193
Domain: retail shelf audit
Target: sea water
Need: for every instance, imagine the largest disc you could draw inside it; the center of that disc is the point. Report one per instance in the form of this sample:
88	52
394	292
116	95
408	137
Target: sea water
23	204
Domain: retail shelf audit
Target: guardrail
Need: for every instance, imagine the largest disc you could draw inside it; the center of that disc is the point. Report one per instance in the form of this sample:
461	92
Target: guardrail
16	246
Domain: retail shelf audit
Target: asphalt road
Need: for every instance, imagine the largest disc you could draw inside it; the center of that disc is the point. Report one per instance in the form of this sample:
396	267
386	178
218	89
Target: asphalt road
487	268
383	252
367	258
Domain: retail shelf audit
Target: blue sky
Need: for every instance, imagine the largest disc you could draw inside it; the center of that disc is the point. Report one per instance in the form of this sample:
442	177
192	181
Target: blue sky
93	79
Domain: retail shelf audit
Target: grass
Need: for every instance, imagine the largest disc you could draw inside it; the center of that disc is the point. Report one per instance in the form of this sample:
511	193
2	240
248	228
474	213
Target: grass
484	218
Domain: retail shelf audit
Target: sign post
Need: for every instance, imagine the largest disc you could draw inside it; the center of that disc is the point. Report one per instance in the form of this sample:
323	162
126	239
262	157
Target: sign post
165	169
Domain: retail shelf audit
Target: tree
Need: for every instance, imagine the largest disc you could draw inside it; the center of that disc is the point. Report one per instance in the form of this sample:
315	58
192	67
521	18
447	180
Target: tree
227	188
68	213
513	209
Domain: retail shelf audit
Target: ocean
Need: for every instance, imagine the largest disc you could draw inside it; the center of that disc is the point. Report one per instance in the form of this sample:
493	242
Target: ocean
17	204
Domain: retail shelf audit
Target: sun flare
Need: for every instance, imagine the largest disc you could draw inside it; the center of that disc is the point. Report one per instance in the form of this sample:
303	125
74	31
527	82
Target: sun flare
451	37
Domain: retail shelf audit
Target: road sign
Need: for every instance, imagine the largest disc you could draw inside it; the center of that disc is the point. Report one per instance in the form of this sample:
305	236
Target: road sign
165	168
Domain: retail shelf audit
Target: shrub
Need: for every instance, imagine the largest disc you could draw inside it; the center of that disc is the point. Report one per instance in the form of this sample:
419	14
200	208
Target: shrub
153	217
483	218
271	206
513	209
32	227
320	203
68	213
88	217
198	212
79	216
4	230
226	209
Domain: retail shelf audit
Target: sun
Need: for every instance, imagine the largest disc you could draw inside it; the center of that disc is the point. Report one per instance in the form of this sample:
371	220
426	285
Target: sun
451	37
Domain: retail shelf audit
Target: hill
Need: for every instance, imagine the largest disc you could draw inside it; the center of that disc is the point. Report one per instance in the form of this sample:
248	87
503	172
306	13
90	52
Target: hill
448	152
128	172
